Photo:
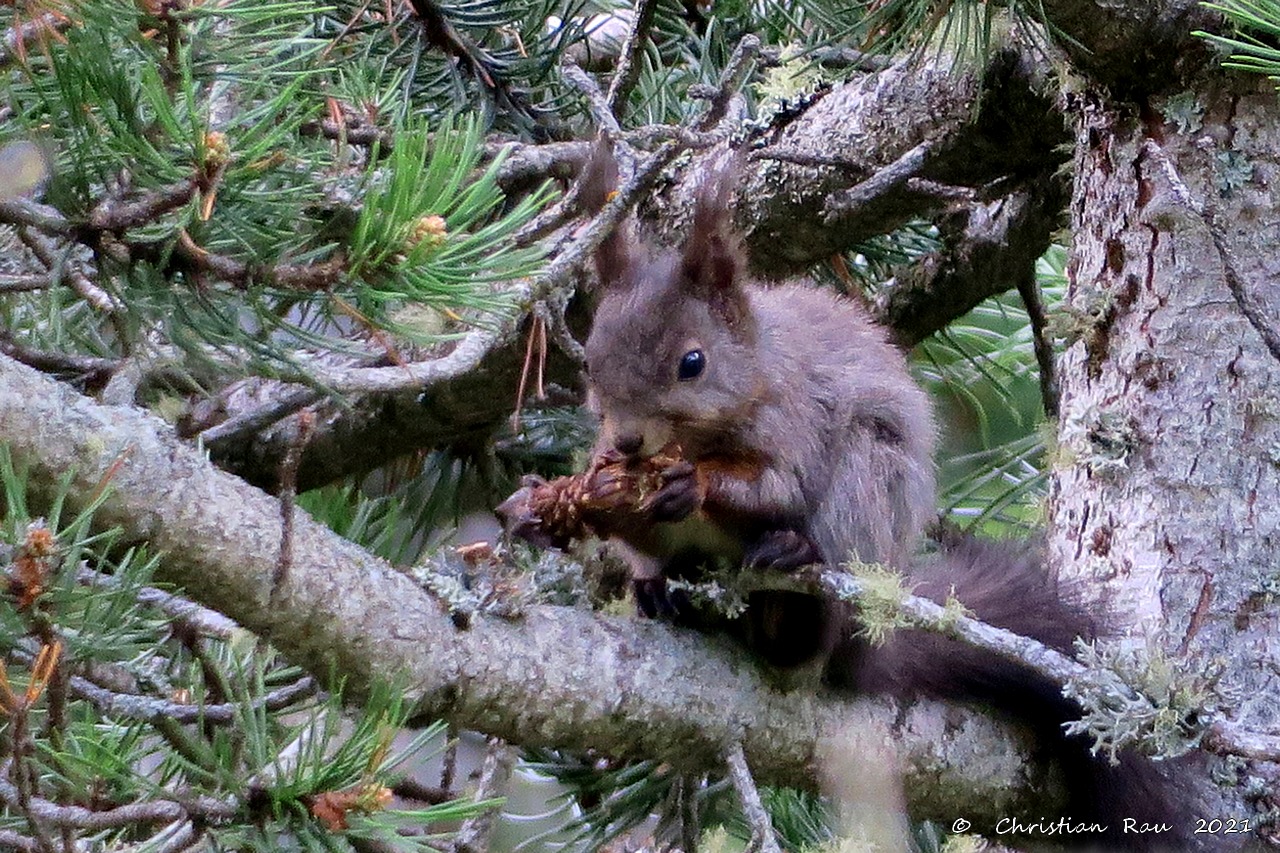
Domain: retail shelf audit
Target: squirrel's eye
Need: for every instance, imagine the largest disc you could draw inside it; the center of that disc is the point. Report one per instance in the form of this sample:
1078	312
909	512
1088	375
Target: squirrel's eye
691	364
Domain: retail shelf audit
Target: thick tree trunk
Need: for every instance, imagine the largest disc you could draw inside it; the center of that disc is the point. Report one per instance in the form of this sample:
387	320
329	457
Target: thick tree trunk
1165	496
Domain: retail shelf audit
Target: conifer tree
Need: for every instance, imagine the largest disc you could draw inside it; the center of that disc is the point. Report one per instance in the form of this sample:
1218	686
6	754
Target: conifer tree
289	288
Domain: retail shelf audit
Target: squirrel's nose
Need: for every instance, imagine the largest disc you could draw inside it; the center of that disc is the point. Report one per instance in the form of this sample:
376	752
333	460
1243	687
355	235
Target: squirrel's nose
629	443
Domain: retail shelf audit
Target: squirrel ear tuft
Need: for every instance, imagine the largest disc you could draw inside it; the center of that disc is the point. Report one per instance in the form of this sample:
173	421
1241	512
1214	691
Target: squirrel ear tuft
712	263
599	177
596	185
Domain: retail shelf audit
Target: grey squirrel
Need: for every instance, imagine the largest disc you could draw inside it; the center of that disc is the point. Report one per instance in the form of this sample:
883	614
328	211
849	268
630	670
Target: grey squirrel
810	440
805	440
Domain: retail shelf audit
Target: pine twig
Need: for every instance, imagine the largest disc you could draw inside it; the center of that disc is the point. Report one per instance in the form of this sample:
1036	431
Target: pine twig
848	57
732	79
654	134
449	765
550	219
40	625
255	420
597	102
314	277
526	164
813	160
410	789
136	707
288	496
25	282
57	260
897	173
762	837
18	795
156	811
439	32
21	211
89	368
362	134
686	787
150	708
1029	290
194	617
556	281
473	835
182	836
627	72
11	840
117	214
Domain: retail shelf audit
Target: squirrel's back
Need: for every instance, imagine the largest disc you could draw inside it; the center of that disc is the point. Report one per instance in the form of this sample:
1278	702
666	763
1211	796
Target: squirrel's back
869	454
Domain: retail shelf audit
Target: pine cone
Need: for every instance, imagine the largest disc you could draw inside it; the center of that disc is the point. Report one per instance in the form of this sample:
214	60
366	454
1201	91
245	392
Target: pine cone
606	498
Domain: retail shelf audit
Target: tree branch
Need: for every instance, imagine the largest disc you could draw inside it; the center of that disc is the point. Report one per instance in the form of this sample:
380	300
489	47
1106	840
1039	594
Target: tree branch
628	68
986	126
559	676
762	837
1131	46
474	834
157	811
939	124
993	250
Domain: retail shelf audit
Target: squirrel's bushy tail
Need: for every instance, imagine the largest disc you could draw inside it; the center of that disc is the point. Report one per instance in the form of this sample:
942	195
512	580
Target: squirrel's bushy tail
1007	586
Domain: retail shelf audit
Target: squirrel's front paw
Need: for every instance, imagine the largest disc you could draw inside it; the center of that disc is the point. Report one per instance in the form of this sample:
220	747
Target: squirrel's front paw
781	551
679	495
652	598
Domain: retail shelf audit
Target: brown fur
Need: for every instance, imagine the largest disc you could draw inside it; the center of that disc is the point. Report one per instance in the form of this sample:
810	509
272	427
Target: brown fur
805	415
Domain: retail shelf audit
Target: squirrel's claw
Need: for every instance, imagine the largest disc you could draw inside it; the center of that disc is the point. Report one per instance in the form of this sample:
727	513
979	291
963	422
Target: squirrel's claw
781	551
652	598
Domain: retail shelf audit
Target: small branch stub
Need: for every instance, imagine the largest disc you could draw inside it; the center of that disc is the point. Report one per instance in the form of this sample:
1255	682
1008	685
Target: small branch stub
762	837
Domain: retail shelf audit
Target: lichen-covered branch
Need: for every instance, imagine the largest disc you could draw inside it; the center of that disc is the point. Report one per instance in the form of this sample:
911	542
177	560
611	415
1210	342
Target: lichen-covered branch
893	136
557	676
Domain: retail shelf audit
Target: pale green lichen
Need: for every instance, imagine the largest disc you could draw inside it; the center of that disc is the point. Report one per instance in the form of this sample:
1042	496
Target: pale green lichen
503	583
795	76
1185	111
1166	718
952	612
1234	170
1102	440
1082	317
712	596
879	600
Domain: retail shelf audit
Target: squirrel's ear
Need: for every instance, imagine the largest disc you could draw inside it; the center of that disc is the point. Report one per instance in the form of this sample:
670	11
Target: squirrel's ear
712	264
596	185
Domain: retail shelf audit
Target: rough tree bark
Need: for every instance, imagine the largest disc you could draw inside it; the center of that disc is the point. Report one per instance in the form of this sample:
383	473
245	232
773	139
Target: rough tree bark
1166	490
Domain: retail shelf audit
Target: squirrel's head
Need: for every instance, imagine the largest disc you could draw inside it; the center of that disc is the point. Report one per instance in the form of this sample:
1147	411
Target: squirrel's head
672	352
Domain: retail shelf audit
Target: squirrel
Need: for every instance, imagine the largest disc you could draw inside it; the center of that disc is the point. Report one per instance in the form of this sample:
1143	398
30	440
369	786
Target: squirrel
805	439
